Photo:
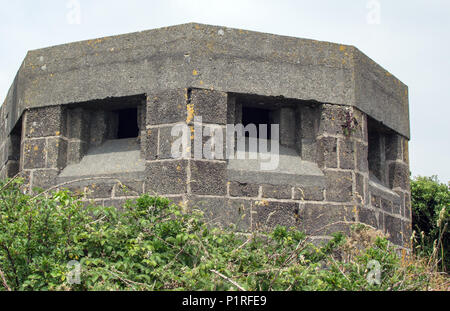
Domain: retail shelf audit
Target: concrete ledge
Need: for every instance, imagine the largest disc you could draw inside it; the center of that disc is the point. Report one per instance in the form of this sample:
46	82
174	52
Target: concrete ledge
112	157
378	189
101	178
290	169
274	178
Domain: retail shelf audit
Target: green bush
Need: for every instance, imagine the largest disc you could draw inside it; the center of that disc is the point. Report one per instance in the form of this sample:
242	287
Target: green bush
152	245
430	201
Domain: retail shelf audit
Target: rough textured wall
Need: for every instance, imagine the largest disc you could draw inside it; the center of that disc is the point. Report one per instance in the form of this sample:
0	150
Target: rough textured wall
61	102
52	138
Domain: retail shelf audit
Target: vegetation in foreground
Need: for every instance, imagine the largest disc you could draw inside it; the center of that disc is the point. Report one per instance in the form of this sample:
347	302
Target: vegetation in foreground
430	202
153	245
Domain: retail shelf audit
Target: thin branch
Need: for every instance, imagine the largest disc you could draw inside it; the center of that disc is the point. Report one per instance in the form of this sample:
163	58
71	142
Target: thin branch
5	284
128	282
342	272
74	181
11	261
98	220
300	246
167	243
229	280
176	256
9	182
302	243
262	272
242	245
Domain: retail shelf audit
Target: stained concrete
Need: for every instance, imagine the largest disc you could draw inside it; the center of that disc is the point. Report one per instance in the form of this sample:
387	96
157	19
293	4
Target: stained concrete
178	73
291	169
113	156
212	57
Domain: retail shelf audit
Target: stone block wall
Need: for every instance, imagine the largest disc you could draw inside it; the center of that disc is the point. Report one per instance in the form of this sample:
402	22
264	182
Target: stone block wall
44	145
54	137
346	196
9	145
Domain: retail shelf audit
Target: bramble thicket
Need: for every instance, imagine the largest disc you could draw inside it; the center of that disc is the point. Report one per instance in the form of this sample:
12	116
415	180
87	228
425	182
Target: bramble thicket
152	244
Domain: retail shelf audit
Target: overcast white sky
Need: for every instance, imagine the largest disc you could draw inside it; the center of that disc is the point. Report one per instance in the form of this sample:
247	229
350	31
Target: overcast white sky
409	38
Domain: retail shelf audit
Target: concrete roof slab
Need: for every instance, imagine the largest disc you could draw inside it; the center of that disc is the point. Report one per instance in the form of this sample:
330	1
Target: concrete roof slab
213	57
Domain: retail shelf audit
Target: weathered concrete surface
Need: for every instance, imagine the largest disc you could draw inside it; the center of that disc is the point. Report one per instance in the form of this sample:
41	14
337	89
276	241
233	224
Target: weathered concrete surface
60	125
113	156
245	167
203	56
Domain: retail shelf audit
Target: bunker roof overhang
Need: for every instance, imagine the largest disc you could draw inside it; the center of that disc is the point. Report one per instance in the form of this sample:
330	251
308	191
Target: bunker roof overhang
224	59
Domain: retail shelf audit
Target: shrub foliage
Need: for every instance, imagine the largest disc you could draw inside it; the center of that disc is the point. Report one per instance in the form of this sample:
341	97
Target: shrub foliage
151	244
430	201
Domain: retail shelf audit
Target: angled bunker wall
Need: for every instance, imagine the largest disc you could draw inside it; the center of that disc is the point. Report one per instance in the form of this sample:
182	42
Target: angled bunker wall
62	123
